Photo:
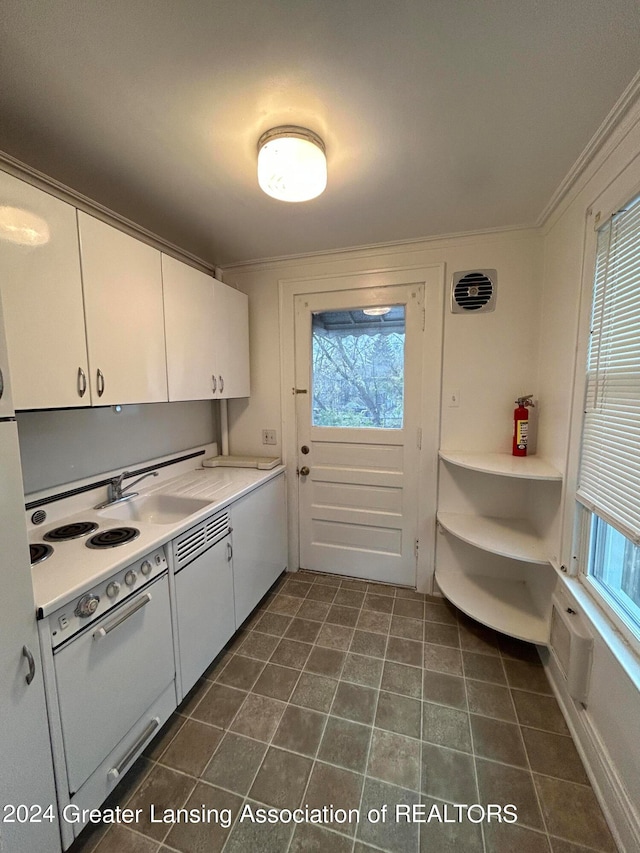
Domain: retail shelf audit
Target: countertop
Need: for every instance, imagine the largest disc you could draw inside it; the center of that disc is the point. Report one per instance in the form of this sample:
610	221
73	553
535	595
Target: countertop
73	568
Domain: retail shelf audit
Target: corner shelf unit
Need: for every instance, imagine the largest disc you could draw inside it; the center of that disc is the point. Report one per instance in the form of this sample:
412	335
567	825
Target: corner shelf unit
504	465
505	579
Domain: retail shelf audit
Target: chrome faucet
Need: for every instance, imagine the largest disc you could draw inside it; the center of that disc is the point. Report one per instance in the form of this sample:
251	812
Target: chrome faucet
116	494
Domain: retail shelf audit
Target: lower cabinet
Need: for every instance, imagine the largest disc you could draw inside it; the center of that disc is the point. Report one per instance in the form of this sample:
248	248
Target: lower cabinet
259	525
222	568
204	595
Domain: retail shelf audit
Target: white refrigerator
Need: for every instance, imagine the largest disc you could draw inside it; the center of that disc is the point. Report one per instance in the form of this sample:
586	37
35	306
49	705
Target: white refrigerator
28	816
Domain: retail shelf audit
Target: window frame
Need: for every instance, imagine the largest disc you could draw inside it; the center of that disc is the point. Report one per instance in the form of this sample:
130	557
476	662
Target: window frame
613	609
578	521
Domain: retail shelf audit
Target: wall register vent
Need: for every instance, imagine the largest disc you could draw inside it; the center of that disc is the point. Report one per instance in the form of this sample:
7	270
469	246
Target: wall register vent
572	646
474	290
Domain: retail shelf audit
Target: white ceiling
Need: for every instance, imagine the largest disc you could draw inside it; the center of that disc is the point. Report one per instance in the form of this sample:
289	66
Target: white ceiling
439	116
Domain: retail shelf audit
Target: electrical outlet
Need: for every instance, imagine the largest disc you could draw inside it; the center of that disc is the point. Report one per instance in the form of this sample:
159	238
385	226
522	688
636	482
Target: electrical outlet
269	436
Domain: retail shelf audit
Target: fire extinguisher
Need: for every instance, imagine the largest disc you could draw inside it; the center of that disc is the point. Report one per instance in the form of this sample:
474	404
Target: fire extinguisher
521	425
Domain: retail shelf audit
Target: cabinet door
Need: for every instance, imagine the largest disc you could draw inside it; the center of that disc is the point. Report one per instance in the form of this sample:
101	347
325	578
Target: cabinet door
259	524
6	397
26	769
122	281
231	327
204	597
42	296
188	323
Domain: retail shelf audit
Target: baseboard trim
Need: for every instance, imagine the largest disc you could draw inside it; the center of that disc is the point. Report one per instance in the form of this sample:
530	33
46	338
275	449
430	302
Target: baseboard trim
620	812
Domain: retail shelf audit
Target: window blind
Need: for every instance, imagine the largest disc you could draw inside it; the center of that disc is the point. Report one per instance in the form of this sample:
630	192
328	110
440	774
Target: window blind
609	482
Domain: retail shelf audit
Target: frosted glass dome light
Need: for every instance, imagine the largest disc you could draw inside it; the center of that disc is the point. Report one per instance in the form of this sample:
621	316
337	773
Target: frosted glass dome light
292	165
376	311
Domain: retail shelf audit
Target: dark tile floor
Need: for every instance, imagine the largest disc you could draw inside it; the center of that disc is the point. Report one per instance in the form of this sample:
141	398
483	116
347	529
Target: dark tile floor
338	692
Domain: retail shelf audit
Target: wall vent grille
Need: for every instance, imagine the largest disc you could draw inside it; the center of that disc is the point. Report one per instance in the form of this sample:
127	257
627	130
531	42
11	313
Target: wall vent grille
473	290
572	648
198	539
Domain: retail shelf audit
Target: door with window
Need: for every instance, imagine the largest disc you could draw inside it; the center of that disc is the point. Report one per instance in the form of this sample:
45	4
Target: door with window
358	402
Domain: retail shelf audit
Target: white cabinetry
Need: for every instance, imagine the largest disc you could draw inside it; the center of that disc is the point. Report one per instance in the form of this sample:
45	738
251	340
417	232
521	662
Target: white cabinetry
231	333
204	595
26	769
492	559
259	535
87	322
42	295
122	281
190	339
207	335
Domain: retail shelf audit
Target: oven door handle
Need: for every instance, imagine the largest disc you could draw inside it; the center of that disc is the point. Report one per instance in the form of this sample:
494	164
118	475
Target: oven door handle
115	772
106	629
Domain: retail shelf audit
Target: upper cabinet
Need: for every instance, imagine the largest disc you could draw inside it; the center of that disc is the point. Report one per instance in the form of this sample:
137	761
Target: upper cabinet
42	298
95	317
207	335
231	332
6	399
122	281
188	313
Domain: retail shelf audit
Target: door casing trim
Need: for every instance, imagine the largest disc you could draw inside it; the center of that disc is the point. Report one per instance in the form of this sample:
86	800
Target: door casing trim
433	278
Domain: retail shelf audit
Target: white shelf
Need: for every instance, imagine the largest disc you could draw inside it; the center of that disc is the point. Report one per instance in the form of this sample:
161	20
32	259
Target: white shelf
504	465
508	537
505	605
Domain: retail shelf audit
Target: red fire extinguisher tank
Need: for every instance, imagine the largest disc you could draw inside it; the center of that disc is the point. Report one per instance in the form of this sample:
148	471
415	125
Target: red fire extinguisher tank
521	425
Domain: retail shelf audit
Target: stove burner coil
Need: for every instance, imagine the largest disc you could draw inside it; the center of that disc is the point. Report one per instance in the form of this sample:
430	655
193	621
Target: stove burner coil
113	537
71	531
39	552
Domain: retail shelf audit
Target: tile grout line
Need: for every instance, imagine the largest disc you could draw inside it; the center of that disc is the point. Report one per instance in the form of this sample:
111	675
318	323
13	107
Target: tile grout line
326	723
235	650
526	753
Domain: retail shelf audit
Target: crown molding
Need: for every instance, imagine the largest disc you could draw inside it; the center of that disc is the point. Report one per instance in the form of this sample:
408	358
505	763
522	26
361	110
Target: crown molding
38	179
375	250
615	126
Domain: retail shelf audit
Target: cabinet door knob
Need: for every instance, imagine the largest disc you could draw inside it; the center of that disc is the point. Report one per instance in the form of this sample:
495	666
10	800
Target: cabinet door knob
221	384
1	384
82	382
100	382
214	383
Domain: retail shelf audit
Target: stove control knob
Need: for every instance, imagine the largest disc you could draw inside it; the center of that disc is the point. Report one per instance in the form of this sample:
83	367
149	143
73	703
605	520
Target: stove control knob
130	578
113	589
87	605
145	568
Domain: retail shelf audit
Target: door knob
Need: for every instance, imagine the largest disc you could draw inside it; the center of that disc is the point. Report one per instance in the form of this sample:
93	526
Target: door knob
304	471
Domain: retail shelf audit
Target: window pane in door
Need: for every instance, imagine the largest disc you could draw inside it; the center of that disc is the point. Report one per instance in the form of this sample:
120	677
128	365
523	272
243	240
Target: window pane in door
358	368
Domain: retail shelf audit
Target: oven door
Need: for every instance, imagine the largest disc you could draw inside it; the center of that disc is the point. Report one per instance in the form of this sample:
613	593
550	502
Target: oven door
109	675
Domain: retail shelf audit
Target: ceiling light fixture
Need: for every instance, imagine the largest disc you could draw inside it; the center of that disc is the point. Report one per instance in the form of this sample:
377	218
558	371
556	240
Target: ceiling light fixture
292	165
376	312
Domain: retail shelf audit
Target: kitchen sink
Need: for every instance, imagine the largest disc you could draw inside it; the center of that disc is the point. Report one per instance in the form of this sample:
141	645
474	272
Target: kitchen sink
155	509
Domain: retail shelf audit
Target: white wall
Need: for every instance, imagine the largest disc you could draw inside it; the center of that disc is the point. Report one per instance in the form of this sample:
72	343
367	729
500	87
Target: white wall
490	358
608	728
528	346
487	359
